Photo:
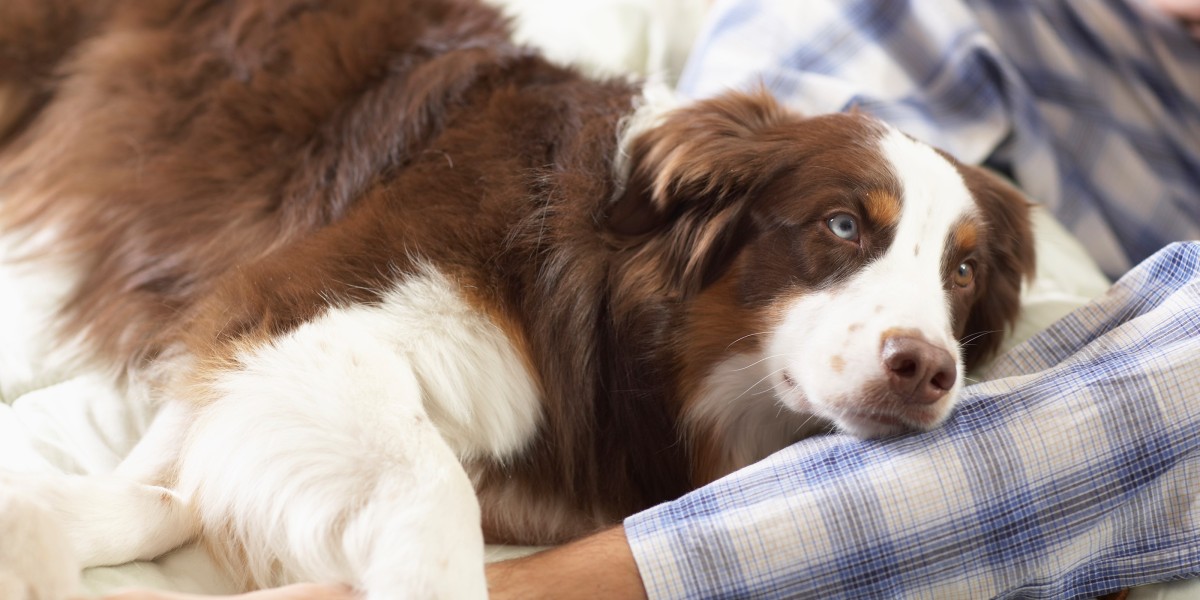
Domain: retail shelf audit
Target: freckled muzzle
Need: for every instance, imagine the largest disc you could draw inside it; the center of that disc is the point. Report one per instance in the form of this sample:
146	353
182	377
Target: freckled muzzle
840	355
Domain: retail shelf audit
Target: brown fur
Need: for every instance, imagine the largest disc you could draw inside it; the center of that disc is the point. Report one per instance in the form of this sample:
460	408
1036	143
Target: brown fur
221	172
1003	259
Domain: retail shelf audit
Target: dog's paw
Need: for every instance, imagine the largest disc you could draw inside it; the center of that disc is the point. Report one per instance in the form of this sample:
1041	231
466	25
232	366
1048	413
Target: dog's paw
36	558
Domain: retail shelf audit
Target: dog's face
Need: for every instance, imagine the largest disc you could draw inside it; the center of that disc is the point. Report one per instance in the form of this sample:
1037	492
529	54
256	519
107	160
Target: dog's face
887	267
876	268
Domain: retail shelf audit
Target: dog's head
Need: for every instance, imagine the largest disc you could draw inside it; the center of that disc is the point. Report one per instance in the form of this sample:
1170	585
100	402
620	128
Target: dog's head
865	271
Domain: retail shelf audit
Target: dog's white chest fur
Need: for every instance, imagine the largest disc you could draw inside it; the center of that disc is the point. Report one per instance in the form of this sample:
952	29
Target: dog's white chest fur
475	386
334	447
362	415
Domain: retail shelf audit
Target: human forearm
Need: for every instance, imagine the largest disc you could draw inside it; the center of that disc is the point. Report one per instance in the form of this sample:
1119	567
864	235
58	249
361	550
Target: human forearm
599	566
1187	11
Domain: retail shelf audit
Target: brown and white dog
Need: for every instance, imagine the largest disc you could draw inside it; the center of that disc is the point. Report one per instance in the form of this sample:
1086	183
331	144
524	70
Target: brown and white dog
392	277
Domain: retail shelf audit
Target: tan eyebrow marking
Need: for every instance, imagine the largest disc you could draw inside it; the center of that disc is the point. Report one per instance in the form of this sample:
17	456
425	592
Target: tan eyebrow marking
961	243
883	208
965	236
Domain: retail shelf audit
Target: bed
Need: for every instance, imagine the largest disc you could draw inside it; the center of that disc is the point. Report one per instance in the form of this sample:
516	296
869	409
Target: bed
56	420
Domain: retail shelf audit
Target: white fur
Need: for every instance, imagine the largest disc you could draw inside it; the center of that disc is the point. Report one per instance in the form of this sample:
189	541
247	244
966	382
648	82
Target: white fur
31	291
902	289
739	400
477	389
329	454
157	452
36	558
52	525
336	448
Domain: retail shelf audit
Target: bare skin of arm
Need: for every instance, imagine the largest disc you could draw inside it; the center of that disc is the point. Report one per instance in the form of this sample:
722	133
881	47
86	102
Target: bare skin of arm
598	566
1187	11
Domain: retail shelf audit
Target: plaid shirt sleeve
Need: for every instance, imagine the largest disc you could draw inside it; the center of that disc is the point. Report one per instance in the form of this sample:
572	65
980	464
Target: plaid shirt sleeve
1092	106
1075	473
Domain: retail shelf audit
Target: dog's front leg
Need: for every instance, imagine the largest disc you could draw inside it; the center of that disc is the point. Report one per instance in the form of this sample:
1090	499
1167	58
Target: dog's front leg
313	459
53	525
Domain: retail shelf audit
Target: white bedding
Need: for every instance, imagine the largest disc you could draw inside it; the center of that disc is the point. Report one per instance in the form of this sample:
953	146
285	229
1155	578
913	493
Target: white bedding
56	420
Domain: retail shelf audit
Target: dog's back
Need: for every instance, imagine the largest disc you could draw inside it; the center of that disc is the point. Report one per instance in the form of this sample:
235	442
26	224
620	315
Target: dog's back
170	142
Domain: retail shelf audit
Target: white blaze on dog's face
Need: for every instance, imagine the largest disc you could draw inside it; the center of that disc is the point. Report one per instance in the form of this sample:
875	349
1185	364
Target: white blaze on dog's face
876	353
831	266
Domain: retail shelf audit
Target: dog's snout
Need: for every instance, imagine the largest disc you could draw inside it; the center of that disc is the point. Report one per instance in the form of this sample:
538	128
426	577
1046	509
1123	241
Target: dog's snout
918	371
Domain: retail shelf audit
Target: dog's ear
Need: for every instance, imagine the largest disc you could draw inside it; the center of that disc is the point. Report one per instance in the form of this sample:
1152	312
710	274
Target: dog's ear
1009	259
692	176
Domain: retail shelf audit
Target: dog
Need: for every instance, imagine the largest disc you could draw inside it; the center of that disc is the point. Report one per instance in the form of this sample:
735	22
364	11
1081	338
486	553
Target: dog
401	286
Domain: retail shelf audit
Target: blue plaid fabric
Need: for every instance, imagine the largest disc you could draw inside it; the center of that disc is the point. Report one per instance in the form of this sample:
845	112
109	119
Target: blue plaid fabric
1092	106
1075	473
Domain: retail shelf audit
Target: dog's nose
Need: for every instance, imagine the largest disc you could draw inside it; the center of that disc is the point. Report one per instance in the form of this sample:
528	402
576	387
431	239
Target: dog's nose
917	370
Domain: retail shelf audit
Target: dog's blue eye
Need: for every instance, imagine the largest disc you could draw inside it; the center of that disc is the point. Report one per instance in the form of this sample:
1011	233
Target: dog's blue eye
844	226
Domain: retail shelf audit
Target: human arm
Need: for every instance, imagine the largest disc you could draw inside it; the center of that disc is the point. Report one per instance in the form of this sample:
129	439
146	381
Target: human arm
1184	9
1187	11
598	566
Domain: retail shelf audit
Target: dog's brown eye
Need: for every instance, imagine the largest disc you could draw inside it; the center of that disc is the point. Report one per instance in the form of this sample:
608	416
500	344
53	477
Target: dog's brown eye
964	275
844	226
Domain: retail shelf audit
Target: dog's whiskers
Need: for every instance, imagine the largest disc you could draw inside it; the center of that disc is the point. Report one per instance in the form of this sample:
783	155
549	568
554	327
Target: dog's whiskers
755	384
765	358
748	335
975	336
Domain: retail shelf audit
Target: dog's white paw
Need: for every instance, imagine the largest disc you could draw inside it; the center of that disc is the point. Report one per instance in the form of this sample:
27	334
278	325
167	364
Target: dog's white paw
37	561
431	546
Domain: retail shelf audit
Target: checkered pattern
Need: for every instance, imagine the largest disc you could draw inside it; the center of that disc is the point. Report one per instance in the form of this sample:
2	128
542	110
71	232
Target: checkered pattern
1092	106
1075	472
